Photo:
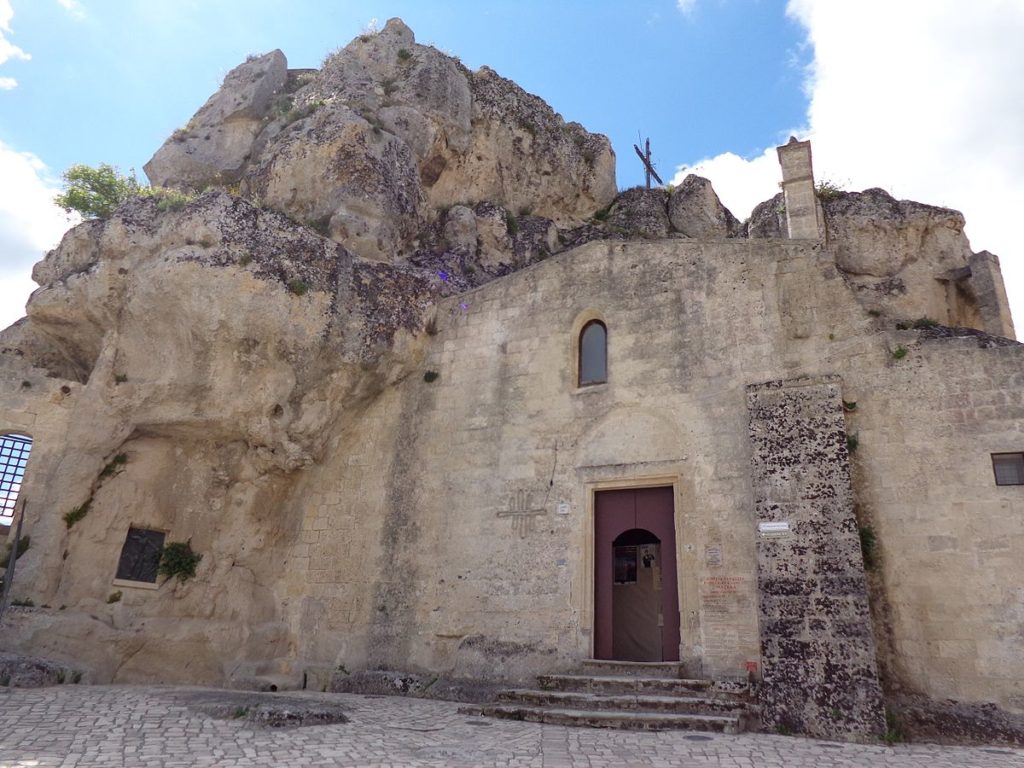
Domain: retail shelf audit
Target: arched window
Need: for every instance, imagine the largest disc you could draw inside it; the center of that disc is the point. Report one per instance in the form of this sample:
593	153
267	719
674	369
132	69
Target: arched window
14	450
593	354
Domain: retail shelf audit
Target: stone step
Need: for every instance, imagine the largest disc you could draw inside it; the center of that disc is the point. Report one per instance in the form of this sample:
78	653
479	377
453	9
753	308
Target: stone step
655	686
626	703
639	721
672	669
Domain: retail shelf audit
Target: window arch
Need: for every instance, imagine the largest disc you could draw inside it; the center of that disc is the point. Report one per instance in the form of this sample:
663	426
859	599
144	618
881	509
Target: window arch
593	354
14	450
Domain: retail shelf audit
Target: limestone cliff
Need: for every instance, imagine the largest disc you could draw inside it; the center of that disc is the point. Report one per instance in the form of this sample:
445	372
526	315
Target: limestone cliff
387	133
245	350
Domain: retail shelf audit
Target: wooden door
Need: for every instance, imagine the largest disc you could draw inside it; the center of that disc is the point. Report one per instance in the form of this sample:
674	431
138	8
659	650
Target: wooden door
615	513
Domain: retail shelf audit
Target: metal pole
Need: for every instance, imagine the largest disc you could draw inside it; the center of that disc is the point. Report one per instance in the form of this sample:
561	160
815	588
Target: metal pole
647	165
9	574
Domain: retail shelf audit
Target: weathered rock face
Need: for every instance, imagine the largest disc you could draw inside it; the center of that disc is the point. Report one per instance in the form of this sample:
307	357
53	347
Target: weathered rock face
910	261
695	210
525	157
307	379
386	133
217	349
768	219
217	142
248	296
640	212
875	235
345	177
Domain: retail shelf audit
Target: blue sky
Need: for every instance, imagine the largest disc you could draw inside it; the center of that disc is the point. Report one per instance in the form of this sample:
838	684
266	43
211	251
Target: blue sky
110	84
918	99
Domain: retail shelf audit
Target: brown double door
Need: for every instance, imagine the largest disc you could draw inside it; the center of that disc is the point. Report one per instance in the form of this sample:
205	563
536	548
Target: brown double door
636	603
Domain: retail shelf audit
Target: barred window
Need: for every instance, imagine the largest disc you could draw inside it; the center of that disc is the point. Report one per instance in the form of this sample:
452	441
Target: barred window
14	450
140	555
1008	468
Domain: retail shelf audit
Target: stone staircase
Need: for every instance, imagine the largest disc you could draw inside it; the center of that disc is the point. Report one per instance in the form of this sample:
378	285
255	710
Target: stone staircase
630	695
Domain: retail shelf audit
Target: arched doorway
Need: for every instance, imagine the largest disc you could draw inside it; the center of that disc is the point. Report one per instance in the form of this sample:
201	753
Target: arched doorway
636	601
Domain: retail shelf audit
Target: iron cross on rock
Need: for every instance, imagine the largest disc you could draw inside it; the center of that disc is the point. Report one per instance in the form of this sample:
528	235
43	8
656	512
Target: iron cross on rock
645	158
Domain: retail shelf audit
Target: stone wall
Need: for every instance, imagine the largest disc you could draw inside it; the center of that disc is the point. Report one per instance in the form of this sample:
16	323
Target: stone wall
948	582
447	525
817	644
481	553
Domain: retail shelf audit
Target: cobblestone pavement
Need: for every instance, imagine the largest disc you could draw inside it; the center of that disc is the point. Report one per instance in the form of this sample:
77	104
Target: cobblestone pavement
163	726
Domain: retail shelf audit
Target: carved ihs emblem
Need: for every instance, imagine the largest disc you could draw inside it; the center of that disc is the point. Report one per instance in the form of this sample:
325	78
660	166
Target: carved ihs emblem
522	512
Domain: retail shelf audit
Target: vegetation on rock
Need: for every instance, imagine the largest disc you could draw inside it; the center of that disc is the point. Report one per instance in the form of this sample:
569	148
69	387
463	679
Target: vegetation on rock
76	514
95	193
179	560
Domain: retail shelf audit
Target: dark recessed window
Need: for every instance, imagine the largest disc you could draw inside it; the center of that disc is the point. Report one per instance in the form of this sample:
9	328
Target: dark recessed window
1009	468
14	450
140	555
593	353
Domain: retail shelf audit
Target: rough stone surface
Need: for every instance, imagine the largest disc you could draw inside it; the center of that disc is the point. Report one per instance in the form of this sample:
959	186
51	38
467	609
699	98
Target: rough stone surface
381	450
525	157
344	176
387	132
460	230
918	718
641	213
879	236
217	143
262	711
910	260
160	727
28	672
695	210
390	683
768	219
817	644
246	391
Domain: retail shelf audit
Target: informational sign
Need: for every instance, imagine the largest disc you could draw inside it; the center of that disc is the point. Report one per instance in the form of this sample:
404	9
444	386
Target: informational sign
648	555
774	529
563	508
713	556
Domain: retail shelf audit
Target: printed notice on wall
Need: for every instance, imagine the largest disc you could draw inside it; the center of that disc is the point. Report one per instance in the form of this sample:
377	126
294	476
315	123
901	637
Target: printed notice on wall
713	556
774	529
725	607
648	555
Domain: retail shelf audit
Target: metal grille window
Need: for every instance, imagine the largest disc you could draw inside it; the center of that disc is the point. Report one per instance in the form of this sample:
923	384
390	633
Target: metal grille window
140	555
14	450
1009	468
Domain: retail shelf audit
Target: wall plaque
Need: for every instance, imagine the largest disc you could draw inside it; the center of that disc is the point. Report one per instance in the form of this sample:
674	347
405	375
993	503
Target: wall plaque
774	529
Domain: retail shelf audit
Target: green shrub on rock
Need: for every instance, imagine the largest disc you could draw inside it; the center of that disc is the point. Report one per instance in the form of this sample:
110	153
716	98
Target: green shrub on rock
95	193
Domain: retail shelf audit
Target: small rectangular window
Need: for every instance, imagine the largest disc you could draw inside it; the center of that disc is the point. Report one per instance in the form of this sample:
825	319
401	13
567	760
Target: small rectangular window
140	555
1009	468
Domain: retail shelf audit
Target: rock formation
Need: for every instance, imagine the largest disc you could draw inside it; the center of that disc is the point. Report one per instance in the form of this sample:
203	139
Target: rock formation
255	368
386	134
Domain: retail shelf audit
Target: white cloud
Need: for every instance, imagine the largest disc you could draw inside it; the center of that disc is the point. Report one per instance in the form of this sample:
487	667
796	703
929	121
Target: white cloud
73	7
686	6
30	224
740	183
921	99
8	50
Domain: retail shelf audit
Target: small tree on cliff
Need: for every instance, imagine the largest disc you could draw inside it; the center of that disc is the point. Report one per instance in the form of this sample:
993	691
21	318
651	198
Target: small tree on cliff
95	192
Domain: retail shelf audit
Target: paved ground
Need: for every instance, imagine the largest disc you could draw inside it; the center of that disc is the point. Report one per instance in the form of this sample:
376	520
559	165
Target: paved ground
135	726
